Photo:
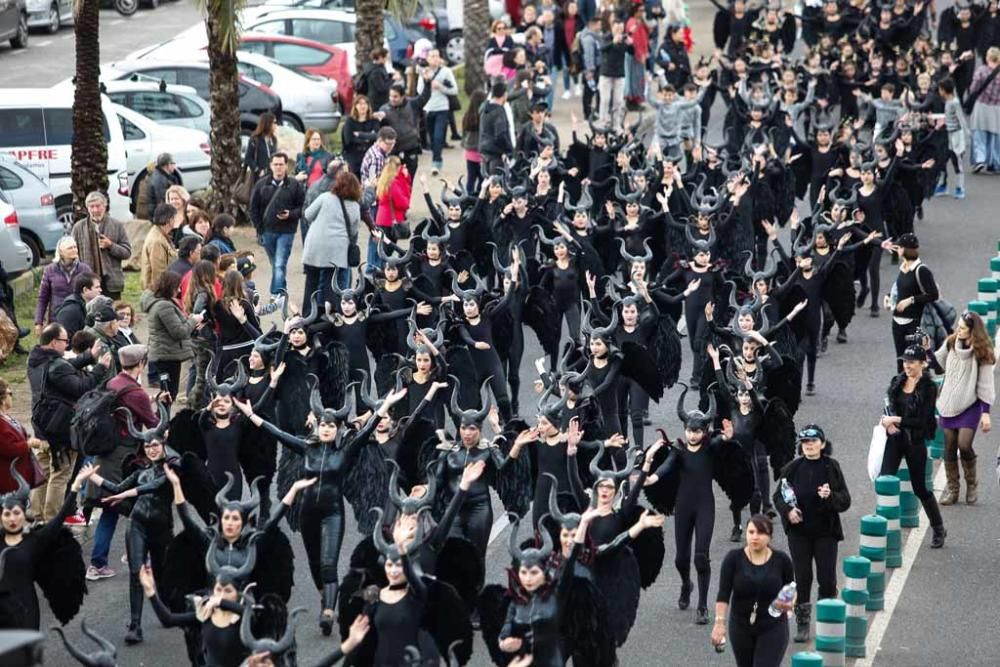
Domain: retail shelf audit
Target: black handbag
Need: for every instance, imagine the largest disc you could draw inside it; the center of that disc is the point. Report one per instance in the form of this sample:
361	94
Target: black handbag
400	230
51	414
353	250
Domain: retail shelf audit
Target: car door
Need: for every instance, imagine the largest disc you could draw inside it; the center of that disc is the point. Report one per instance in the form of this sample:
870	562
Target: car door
159	106
138	151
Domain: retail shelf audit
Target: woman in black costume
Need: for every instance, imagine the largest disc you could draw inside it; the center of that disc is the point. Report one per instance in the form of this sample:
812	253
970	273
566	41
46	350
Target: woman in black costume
327	455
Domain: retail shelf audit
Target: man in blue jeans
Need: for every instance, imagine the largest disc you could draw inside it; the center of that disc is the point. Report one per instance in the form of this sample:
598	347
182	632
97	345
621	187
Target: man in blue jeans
275	209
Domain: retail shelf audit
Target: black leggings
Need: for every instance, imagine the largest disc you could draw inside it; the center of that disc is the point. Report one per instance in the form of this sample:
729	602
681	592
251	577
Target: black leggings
322	531
474	522
900	446
695	519
571	314
514	356
761	497
488	365
812	318
697	331
870	279
758	648
140	541
822	550
634	402
958	443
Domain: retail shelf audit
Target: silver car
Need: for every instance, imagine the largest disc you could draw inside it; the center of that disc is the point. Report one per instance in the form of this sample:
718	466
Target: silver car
49	14
14	255
167	105
40	227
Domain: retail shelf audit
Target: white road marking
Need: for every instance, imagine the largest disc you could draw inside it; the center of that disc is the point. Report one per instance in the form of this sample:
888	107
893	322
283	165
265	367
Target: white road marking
498	527
117	21
44	43
879	623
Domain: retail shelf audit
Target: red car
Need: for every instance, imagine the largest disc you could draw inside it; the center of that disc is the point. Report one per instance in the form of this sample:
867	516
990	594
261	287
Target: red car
305	55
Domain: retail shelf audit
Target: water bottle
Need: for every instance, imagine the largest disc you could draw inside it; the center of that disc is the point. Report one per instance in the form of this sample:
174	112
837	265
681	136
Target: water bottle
786	594
788	494
721	647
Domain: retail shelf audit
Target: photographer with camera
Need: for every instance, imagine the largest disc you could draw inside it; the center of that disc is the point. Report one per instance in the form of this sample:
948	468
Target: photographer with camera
915	287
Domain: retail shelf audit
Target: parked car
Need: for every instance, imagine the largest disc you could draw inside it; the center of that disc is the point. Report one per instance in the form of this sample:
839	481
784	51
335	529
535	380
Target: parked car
36	127
49	14
145	139
255	97
14	255
14	23
167	105
450	17
305	55
307	100
40	227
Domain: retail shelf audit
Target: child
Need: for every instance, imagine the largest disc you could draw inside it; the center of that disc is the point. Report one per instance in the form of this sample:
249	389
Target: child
957	127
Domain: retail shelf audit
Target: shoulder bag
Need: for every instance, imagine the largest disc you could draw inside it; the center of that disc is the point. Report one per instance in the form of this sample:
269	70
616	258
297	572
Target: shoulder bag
353	251
400	230
454	104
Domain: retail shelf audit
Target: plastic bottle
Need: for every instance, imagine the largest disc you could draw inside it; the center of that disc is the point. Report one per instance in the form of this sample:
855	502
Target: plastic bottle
786	594
788	494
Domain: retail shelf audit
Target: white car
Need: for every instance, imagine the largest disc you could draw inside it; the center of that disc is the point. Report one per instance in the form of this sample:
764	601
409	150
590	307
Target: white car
14	255
307	100
174	105
49	14
145	139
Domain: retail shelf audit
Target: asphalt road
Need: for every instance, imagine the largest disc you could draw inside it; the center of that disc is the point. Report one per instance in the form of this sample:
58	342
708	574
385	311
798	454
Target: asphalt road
945	612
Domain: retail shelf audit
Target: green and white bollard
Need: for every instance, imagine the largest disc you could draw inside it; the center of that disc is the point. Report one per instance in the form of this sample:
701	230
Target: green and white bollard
807	659
986	291
887	506
873	540
855	596
909	506
935	447
831	617
995	267
982	308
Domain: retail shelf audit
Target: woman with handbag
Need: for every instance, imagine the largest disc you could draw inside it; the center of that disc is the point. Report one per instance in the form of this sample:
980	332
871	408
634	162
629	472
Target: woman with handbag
967	361
15	445
392	197
331	246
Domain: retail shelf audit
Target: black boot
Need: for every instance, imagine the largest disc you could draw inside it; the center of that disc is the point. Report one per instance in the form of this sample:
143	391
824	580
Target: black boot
326	616
684	601
841	336
937	540
702	616
135	600
736	535
803	615
134	634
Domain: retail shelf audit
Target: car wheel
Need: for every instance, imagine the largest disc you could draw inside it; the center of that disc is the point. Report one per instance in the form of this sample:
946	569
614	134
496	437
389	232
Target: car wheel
53	19
34	246
454	50
20	38
289	120
65	214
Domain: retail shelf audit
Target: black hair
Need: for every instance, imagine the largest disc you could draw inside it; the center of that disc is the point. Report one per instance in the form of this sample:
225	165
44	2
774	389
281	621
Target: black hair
84	281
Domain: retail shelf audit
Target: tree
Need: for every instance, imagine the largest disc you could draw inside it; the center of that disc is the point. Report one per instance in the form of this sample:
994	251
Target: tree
89	160
369	32
223	27
476	33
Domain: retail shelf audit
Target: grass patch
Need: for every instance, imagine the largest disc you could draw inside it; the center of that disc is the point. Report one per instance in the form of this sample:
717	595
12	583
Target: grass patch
12	370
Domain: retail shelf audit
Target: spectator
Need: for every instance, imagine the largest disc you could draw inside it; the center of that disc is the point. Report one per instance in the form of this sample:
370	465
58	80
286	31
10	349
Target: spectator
15	443
374	160
635	62
500	40
470	142
57	281
157	250
60	382
102	244
198	226
222	230
335	217
568	27
275	207
393	198
375	81
494	131
178	197
126	322
105	328
262	146
529	17
80	343
611	84
324	184
72	312
590	53
359	132
403	115
211	254
169	327
201	297
537	133
311	163
188	252
132	397
443	87
163	178
985	120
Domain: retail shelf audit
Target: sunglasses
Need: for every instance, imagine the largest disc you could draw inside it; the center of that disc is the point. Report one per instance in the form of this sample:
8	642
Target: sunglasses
809	434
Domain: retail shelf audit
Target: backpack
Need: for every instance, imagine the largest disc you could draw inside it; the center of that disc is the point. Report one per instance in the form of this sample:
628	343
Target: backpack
94	427
360	82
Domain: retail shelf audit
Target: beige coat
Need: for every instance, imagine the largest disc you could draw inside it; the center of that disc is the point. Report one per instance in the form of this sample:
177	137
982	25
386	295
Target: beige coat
157	254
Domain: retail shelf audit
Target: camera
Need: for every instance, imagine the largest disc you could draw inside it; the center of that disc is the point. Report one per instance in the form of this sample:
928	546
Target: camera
164	382
916	338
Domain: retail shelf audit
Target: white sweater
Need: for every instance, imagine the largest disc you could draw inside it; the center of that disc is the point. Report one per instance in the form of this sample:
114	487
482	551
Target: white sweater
965	381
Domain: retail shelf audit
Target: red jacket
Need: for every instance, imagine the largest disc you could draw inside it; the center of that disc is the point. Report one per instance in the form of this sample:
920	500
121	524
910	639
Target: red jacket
136	400
13	445
399	198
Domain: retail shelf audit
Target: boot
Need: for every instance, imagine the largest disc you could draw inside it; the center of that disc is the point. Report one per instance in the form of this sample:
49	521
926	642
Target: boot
684	601
134	634
329	604
937	539
971	481
803	615
952	488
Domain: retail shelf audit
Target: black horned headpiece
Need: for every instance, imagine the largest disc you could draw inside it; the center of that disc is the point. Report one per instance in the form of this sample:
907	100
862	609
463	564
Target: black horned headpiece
599	474
568	520
770	268
847	202
583	204
697	244
355	292
529	557
696	420
303	322
549	408
393	260
645	258
156	433
435	336
19	496
274	647
266	344
231	386
390	550
328	415
474	294
246	508
604	333
227	574
803	244
106	654
626	197
426	235
408	505
471	417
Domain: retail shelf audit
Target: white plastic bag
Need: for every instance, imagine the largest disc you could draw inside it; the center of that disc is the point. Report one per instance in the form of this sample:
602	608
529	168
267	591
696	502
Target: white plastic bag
876	451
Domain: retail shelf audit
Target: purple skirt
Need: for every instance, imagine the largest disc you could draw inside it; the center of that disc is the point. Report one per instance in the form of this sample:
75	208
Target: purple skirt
968	418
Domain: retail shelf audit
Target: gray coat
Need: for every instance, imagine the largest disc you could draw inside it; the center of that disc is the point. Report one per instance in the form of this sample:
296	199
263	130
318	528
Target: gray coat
107	262
329	234
169	329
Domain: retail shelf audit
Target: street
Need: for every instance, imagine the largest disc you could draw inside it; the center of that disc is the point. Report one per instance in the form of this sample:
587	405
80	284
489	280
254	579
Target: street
943	615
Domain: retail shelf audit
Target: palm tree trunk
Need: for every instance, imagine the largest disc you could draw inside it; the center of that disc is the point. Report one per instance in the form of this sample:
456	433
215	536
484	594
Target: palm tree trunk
476	32
224	99
370	30
89	160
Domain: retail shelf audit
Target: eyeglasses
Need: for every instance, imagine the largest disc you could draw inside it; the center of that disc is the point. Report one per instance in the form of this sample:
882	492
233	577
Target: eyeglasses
63	340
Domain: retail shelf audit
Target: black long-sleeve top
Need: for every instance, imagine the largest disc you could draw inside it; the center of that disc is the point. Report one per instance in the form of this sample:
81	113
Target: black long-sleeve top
916	408
745	586
820	516
919	284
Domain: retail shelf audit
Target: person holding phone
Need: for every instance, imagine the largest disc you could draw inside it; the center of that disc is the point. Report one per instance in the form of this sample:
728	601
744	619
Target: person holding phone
275	209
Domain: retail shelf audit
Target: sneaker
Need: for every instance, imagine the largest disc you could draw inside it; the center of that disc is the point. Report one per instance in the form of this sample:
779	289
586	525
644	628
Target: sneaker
435	171
959	193
95	573
75	520
978	168
940	190
566	95
134	635
736	535
810	389
124	559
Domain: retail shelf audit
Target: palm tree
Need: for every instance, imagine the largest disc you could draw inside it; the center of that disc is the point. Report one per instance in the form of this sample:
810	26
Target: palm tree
89	159
369	32
223	27
476	31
